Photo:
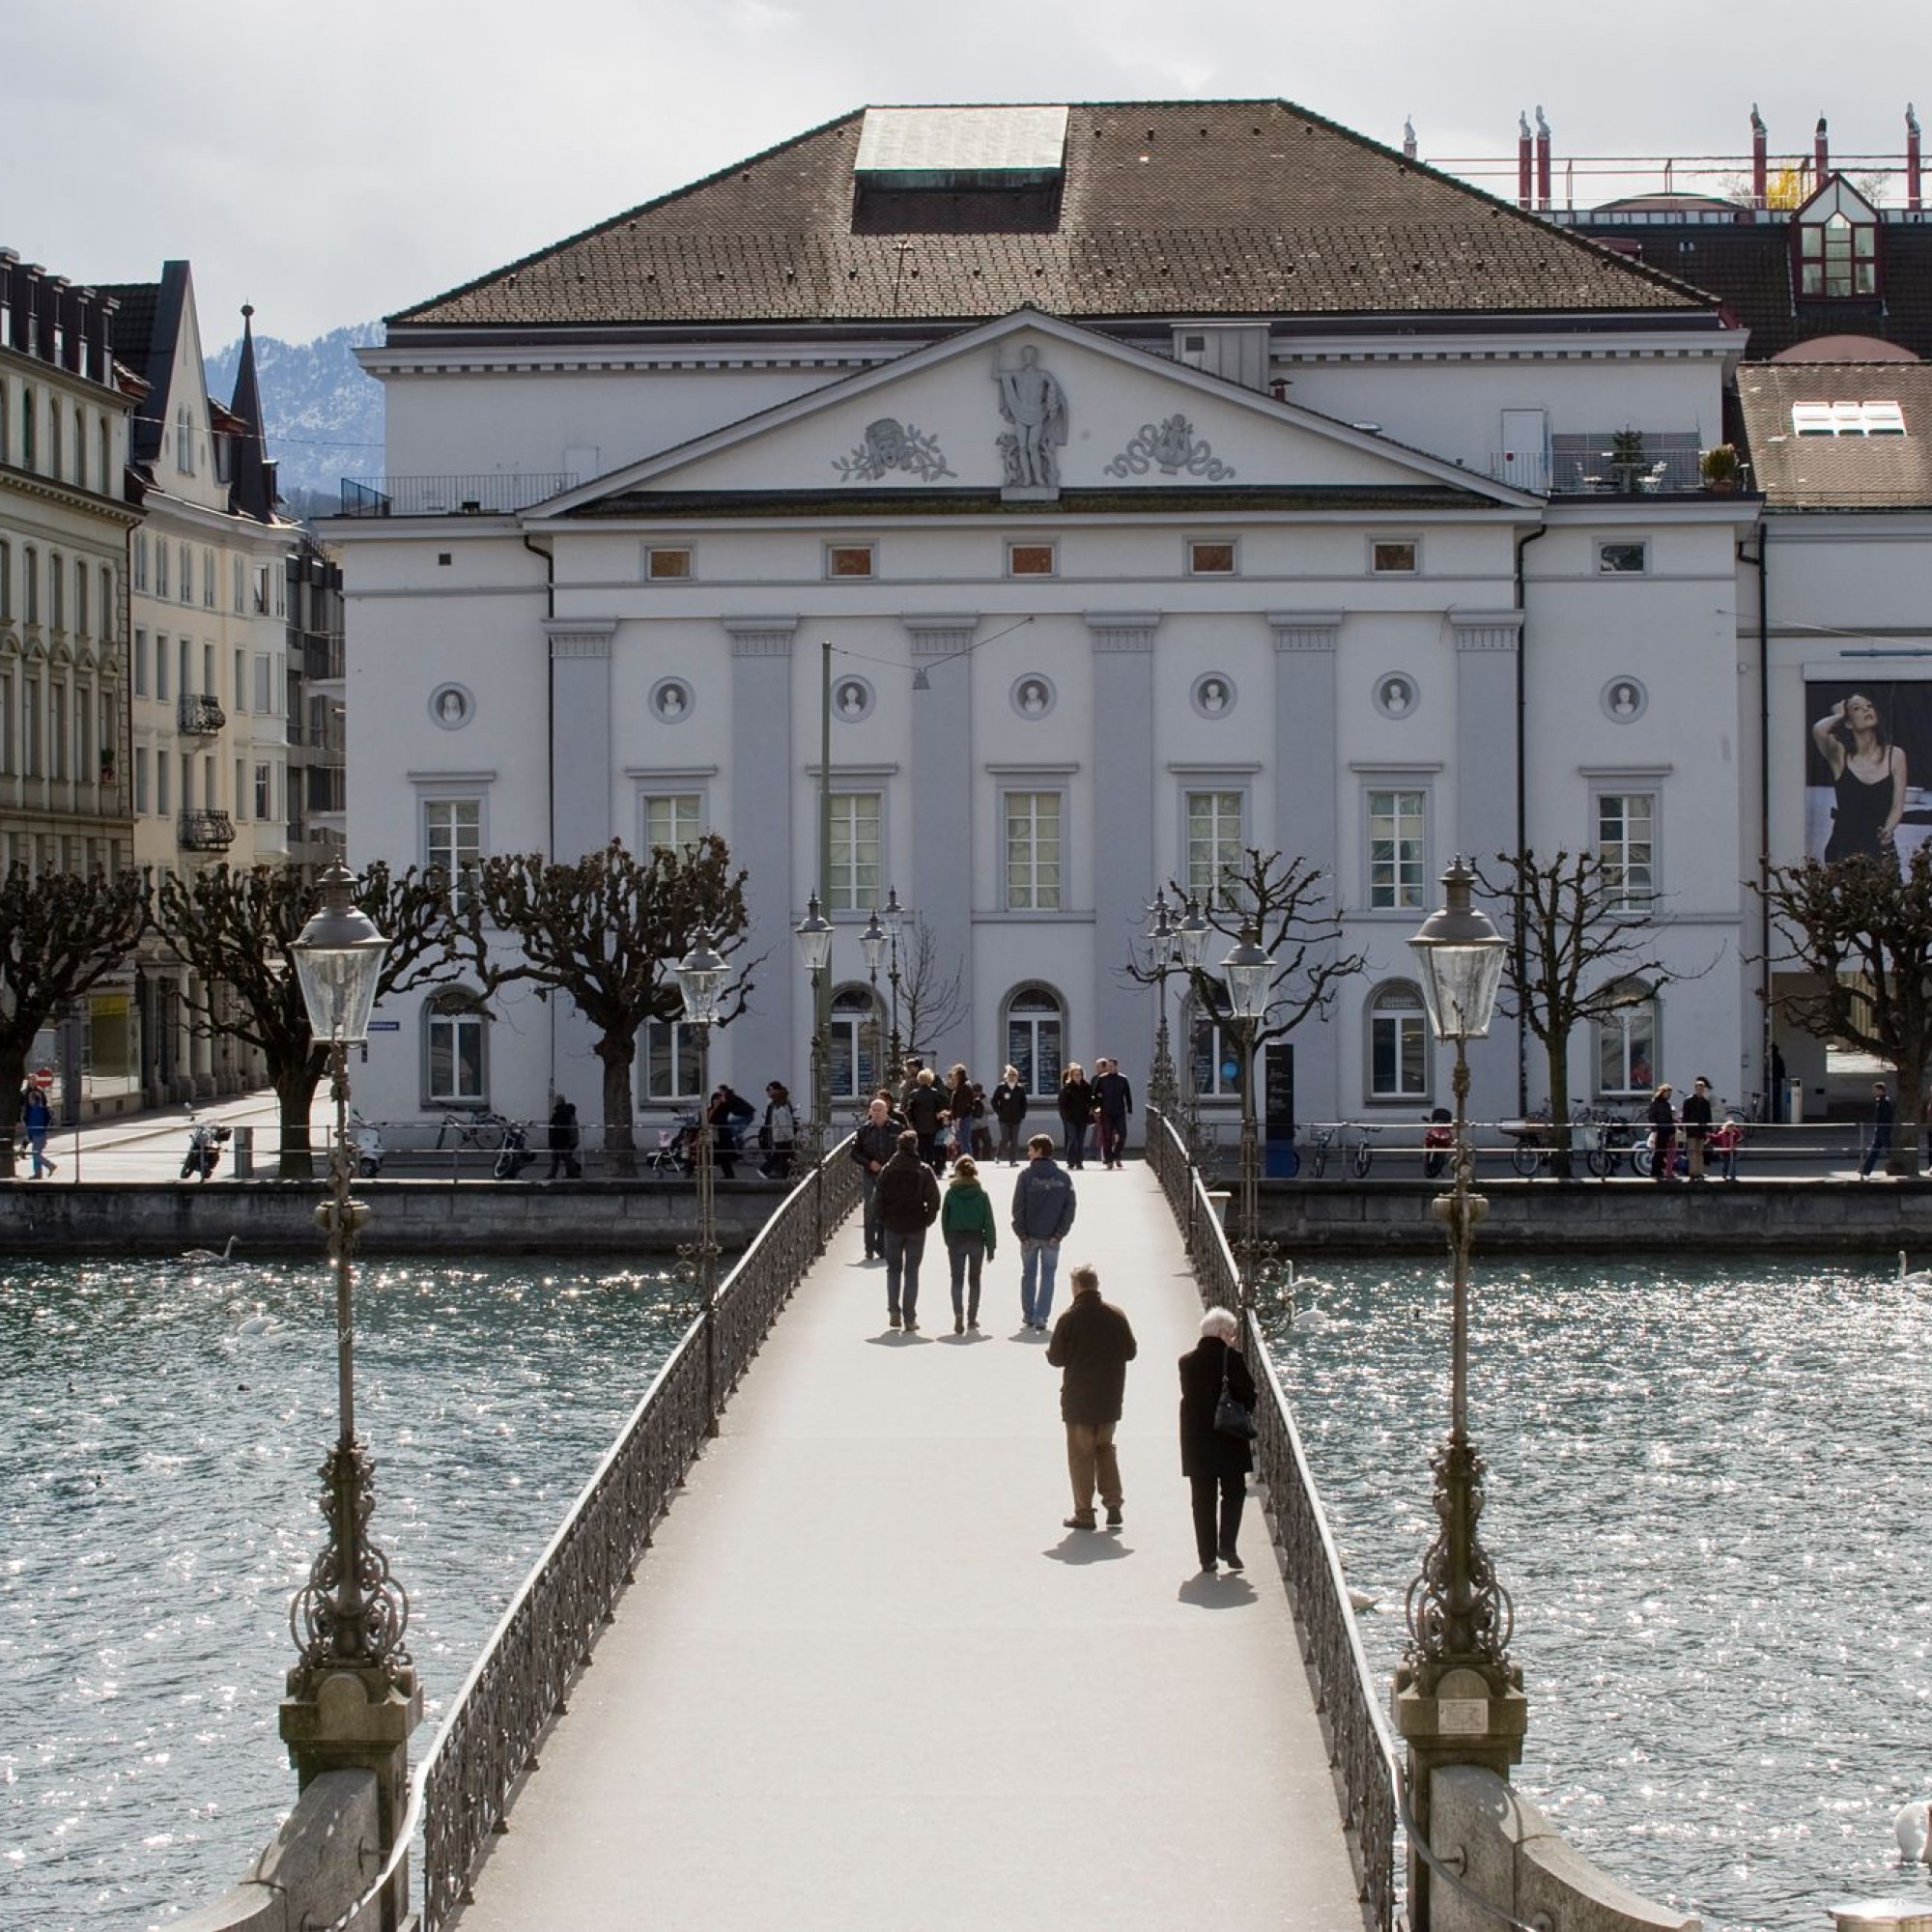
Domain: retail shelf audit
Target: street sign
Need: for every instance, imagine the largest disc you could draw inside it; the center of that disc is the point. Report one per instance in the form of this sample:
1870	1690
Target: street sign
385	1026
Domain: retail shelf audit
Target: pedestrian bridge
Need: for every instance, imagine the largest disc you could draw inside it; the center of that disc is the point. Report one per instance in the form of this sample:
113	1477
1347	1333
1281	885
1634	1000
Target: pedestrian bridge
865	1678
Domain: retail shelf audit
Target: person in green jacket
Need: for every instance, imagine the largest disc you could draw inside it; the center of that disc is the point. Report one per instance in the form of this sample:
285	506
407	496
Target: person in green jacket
966	1220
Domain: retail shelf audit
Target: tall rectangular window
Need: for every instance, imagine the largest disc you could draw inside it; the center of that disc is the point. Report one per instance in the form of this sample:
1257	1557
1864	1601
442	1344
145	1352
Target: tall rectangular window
240	690
674	820
854	881
1397	857
453	841
454	1045
160	566
140	559
6	721
161	669
1398	1044
6	580
161	770
265	791
141	778
1034	851
208	579
142	678
30	726
238	588
82	628
265	684
57	727
1213	845
1626	844
186	560
56	590
670	1060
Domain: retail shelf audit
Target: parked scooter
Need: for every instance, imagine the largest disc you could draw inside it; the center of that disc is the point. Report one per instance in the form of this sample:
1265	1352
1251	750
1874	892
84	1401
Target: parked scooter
516	1154
204	1142
368	1145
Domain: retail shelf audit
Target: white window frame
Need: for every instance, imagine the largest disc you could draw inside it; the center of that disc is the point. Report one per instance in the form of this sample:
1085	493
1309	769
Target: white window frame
672	1045
833	575
1201	1026
1014	545
1610	548
858	1043
680	803
1632	882
854	881
1625	1030
450	1017
1391	541
1212	882
1394	1010
432	802
653	552
1030	878
1196	546
1404	888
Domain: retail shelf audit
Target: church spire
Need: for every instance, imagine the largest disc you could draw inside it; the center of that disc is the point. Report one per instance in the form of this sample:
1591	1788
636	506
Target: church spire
252	488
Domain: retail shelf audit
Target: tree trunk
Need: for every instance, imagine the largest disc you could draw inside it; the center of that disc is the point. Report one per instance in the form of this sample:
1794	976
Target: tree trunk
1903	1159
13	1077
294	1095
1561	1162
619	1054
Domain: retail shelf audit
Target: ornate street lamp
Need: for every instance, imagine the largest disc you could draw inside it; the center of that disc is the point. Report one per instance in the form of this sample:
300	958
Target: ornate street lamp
1459	1697
1190	938
813	934
873	940
700	980
1163	944
894	915
351	1616
1249	973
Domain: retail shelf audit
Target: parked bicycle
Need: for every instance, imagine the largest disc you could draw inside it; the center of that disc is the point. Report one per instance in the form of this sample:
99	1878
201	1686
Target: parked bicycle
480	1130
1606	1137
1359	1157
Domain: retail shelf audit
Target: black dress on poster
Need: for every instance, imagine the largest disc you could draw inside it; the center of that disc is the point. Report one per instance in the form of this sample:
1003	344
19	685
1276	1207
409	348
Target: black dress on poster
1867	755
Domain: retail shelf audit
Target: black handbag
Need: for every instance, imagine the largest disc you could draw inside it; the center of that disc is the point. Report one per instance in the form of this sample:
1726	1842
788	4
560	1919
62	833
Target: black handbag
1232	1416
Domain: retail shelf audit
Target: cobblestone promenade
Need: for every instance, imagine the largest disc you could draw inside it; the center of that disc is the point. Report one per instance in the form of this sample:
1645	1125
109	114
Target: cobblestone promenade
865	1679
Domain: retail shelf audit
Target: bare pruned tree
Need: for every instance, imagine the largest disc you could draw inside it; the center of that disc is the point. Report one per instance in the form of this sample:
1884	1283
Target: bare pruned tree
1861	928
61	933
233	930
933	998
1584	947
605	930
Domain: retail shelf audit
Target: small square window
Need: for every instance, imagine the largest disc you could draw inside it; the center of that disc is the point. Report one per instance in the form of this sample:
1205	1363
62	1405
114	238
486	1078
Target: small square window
667	566
848	560
1030	560
1210	560
1395	557
1622	559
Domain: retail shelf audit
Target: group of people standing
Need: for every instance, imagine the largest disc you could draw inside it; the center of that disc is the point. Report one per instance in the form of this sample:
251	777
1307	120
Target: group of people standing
1701	1139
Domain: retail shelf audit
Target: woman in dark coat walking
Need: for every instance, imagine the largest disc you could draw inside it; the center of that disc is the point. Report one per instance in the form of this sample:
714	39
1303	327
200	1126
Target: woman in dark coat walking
1216	1465
1076	1112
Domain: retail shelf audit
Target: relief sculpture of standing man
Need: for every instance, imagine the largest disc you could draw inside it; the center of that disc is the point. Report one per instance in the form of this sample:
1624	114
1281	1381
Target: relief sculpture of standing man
1035	405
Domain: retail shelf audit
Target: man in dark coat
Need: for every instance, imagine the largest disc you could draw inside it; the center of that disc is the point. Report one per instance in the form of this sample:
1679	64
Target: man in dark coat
564	1137
907	1199
1114	1096
872	1145
1091	1346
1216	1465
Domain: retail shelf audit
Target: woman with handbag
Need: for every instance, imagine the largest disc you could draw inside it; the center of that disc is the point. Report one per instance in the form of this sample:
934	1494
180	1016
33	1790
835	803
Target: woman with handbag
1217	1408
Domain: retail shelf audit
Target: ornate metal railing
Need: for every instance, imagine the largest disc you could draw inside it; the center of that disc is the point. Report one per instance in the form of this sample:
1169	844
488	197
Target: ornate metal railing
462	1788
1360	1746
490	493
199	715
205	832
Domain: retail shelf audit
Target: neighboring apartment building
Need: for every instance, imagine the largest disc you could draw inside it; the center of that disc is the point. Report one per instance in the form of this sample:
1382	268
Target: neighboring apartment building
208	619
316	773
1166	479
63	521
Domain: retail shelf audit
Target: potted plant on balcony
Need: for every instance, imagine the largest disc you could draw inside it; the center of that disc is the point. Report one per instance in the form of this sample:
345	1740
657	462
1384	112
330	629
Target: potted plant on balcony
1719	466
1627	462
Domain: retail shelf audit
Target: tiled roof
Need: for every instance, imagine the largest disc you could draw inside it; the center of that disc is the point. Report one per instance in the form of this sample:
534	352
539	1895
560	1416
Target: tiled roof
134	320
1191	208
1831	473
1748	267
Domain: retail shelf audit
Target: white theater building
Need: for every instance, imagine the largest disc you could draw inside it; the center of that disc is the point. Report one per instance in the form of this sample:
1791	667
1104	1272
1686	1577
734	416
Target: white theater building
1165	481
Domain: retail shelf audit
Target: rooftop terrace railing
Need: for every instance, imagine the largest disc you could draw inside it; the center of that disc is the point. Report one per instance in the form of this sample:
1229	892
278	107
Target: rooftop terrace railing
493	493
463	1789
1348	1700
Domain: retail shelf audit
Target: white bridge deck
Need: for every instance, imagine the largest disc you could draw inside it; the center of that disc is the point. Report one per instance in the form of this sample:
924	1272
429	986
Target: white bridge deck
865	1679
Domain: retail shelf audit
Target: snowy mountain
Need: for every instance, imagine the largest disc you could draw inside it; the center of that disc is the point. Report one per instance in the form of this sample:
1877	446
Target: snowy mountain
325	415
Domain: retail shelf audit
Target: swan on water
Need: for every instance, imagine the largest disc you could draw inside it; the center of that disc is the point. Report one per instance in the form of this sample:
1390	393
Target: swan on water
261	1322
206	1255
1360	1600
1906	1272
1909	1828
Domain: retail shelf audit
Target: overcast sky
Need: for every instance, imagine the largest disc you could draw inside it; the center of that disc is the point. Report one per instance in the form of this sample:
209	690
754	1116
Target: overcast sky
334	163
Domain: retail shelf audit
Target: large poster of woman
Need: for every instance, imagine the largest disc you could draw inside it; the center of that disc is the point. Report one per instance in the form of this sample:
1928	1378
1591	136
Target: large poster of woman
1867	767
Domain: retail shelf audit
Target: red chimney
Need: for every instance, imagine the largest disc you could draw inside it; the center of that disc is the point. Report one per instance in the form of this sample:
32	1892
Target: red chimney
1911	200
1542	161
1523	177
1822	148
1760	162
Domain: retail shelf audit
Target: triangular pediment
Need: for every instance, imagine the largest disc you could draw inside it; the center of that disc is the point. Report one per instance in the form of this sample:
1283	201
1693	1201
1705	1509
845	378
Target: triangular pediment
1026	408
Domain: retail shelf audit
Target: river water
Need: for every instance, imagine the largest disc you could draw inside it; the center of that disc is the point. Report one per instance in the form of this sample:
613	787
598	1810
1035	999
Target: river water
1708	1495
159	1447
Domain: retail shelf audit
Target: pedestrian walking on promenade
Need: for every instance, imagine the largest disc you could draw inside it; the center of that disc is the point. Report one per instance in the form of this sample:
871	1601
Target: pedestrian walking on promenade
778	1132
564	1140
966	1221
908	1201
1009	1109
1113	1101
924	1110
1216	1464
1043	1209
1696	1115
1076	1113
1881	1133
959	1112
1663	1134
37	1118
872	1145
727	1116
1092	1346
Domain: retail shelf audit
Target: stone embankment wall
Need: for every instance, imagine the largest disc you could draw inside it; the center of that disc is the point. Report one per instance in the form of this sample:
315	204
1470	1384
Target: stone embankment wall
406	1217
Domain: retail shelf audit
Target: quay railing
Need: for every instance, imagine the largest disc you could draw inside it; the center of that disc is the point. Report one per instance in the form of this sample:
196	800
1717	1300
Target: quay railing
1349	1701
463	1789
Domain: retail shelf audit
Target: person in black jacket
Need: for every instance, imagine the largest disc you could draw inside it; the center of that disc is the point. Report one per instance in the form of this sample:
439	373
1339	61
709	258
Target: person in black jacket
872	1145
1008	1102
727	1114
1216	1465
908	1204
564	1137
1092	1346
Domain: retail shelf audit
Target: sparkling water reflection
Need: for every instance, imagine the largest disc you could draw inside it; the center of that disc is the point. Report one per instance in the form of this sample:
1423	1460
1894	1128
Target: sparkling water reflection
1708	1492
158	1452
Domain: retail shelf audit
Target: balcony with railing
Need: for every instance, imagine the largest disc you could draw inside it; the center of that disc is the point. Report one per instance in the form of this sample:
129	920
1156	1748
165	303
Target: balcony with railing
491	494
199	715
205	832
1594	463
